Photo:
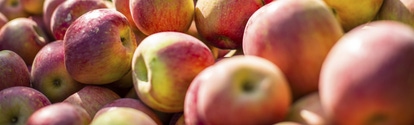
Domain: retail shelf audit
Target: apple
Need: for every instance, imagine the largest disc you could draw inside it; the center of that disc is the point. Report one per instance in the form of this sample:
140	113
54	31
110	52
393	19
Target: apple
12	9
23	36
123	7
238	90
297	41
352	13
398	10
123	116
367	77
152	16
99	46
49	74
68	11
49	7
130	103
60	114
41	24
92	98
222	22
33	7
18	103
307	110
177	119
163	66
3	20
13	70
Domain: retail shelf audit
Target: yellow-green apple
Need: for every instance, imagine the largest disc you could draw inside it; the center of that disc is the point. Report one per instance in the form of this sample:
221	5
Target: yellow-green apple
152	16
33	7
307	110
163	66
130	103
13	70
99	46
60	114
49	7
18	103
12	9
352	13
177	119
398	10
123	7
367	77
222	22
297	41
23	36
123	116
3	20
49	74
238	90
92	98
68	11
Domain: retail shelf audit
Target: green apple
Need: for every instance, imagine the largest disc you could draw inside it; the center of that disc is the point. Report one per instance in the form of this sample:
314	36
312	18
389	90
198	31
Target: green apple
163	66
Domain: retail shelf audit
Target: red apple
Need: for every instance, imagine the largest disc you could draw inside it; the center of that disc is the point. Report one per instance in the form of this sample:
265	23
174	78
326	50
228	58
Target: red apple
163	66
367	77
18	103
49	7
152	16
13	70
307	110
49	74
222	22
238	90
12	9
68	11
60	114
23	36
123	116
92	98
297	41
99	47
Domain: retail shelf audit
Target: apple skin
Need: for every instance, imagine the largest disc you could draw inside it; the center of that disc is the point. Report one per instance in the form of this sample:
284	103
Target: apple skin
60	114
296	41
287	123
352	13
67	12
130	103
163	66
99	47
3	20
222	22
123	116
307	110
240	89
49	74
367	77
33	7
398	10
92	98
23	36
12	9
123	7
152	16
13	70
18	103
49	7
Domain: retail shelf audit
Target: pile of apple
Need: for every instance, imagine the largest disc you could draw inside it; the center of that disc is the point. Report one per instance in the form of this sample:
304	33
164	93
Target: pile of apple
206	62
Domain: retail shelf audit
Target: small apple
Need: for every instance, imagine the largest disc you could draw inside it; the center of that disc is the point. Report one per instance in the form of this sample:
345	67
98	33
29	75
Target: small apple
92	98
68	11
307	110
163	66
49	74
297	41
367	78
18	103
49	7
23	36
123	116
130	103
99	46
152	16
398	10
13	70
238	90
222	22
3	20
12	9
33	7
60	114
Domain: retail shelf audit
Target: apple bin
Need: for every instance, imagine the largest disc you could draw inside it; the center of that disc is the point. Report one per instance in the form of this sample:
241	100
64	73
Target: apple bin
206	62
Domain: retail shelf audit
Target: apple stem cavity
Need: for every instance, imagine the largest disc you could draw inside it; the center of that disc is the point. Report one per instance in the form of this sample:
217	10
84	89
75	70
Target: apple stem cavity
56	82
248	86
14	119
